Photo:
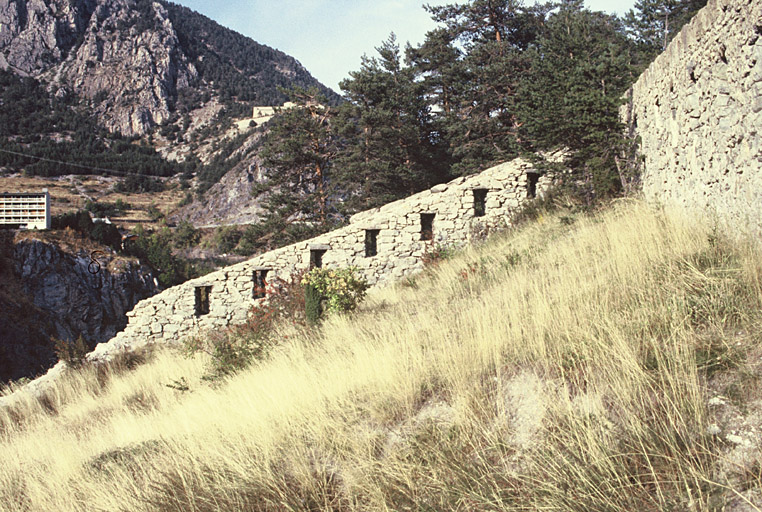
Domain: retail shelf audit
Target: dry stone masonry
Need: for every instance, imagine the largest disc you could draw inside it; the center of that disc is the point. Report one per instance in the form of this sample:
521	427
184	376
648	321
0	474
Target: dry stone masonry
698	111
384	244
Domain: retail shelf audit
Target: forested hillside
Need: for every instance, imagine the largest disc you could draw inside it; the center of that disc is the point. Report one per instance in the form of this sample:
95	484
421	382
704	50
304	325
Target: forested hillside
234	65
48	136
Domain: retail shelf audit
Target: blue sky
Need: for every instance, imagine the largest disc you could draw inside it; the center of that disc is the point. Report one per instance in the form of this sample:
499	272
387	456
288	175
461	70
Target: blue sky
330	36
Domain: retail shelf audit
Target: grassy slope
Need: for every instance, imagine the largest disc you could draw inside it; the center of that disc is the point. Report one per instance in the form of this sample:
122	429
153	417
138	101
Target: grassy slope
556	367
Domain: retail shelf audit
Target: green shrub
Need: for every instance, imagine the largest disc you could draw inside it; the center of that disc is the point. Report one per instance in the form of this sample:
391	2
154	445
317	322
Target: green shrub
236	347
73	353
226	238
107	209
313	308
106	234
341	288
186	235
154	213
139	183
155	250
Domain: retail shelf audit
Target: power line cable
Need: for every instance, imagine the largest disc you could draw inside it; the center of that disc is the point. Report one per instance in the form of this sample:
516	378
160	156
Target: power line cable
90	168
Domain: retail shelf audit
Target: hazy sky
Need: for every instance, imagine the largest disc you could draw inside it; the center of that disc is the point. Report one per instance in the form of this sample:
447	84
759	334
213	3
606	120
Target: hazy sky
329	36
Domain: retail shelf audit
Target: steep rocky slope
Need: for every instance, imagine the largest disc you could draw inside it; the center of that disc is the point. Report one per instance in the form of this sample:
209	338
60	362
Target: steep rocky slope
130	59
230	200
47	290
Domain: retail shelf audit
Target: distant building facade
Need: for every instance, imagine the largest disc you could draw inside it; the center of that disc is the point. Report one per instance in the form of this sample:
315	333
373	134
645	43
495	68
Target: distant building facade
25	210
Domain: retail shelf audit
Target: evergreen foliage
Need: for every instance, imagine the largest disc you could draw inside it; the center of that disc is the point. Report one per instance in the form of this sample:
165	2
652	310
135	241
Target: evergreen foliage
106	234
392	146
107	209
654	23
493	80
155	249
299	152
481	123
47	136
226	238
580	69
312	304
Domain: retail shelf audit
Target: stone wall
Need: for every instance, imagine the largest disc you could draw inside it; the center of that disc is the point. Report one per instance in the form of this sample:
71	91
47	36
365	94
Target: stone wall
698	111
178	312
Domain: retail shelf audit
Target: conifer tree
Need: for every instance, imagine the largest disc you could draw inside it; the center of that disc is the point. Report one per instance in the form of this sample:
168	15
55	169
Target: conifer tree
391	144
654	23
487	40
298	153
581	68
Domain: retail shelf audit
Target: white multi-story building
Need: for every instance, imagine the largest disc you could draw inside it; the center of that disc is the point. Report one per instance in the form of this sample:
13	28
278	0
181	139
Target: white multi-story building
29	210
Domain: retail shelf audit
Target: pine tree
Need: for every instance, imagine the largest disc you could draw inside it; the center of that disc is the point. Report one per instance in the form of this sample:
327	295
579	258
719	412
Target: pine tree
298	153
481	51
581	67
391	145
654	23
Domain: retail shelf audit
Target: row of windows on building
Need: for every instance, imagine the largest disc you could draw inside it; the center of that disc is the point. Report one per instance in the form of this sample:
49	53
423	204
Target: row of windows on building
28	210
371	247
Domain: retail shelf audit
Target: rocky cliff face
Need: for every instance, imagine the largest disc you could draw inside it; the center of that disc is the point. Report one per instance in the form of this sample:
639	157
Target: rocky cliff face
128	59
121	55
230	200
49	292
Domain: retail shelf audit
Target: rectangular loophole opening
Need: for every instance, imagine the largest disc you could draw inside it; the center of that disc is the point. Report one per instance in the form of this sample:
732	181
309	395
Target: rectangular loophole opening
316	258
532	178
260	284
480	202
427	226
202	300
371	242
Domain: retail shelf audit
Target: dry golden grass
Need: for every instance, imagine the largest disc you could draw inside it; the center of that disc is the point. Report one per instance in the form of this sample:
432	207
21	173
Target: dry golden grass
555	367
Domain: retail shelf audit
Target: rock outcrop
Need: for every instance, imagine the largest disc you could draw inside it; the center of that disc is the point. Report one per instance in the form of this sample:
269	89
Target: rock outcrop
128	62
230	200
46	292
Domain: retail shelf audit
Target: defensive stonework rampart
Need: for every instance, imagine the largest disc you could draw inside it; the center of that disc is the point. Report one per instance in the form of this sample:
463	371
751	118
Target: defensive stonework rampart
698	112
224	297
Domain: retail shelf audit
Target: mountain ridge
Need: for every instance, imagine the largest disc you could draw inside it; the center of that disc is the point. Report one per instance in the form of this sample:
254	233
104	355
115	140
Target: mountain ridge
130	59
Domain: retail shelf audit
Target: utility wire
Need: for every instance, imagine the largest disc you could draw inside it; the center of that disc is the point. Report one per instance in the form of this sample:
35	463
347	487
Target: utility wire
90	168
